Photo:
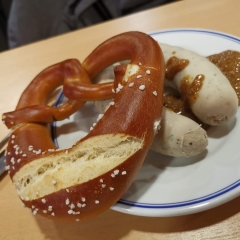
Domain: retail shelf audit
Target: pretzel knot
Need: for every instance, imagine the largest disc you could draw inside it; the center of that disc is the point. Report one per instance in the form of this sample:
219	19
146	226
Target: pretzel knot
86	179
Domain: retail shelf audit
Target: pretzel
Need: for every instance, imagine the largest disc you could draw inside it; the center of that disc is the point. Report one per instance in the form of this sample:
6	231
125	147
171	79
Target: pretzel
88	178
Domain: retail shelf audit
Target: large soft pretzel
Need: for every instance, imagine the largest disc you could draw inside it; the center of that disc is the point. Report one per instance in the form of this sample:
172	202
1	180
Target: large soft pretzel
86	179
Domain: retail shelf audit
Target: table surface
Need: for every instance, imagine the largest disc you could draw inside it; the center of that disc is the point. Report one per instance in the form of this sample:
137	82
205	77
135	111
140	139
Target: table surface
20	65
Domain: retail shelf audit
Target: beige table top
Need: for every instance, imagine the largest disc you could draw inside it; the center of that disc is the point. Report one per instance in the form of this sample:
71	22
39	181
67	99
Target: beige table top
19	66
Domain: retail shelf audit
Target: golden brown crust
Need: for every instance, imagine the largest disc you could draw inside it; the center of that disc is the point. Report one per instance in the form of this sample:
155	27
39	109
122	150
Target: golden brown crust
24	145
136	111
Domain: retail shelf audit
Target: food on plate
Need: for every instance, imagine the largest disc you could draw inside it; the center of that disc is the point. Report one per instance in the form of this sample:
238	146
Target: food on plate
86	179
203	86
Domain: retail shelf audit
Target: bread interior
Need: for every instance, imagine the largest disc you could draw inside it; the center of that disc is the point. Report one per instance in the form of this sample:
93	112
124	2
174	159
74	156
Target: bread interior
83	162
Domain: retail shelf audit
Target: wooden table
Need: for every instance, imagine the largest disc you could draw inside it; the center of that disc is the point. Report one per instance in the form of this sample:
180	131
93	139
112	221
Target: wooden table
19	66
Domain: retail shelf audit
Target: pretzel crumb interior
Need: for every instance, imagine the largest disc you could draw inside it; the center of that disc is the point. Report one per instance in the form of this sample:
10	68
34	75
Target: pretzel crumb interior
131	70
85	161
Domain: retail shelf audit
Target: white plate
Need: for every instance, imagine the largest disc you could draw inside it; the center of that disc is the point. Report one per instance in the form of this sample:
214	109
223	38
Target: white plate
168	186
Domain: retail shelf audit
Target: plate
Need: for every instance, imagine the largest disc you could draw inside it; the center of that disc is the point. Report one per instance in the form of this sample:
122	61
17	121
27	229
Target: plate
168	186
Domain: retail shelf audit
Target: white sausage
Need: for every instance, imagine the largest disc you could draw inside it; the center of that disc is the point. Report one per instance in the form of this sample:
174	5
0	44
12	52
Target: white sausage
217	102
179	136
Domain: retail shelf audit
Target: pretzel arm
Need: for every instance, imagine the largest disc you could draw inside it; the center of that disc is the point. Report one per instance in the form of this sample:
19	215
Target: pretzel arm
44	84
32	105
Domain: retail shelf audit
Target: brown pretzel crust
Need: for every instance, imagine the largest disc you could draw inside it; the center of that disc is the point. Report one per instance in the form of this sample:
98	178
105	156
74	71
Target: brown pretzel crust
134	116
32	103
